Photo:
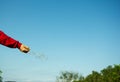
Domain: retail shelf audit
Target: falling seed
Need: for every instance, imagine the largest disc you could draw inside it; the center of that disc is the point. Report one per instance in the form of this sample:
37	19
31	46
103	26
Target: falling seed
40	56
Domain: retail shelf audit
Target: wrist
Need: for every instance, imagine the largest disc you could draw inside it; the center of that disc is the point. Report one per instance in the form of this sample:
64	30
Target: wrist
19	45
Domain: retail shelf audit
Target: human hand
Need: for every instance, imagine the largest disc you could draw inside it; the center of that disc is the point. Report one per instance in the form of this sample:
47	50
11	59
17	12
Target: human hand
24	48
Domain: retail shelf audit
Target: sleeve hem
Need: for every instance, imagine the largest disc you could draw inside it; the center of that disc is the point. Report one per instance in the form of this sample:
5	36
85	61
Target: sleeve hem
19	45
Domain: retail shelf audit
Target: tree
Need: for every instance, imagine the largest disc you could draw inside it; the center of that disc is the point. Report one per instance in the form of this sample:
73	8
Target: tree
111	74
94	77
80	79
67	77
0	76
108	74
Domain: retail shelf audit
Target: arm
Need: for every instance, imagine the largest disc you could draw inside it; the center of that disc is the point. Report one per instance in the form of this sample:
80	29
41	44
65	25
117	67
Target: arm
8	41
12	43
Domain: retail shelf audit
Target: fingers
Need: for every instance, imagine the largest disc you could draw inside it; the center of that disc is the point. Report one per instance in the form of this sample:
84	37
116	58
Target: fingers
24	48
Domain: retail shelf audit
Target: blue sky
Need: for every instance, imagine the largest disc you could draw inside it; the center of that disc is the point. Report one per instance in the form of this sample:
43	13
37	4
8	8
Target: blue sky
75	35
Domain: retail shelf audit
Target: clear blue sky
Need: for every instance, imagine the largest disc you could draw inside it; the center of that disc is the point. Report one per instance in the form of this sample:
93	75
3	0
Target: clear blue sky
75	35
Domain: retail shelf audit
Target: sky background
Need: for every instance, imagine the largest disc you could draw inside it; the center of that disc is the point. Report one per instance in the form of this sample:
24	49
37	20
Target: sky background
75	35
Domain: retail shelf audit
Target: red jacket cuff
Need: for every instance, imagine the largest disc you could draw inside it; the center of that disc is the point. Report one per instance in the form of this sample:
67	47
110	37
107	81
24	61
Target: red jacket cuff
19	45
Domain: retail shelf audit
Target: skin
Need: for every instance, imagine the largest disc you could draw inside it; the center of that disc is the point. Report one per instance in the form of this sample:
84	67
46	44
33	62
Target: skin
24	48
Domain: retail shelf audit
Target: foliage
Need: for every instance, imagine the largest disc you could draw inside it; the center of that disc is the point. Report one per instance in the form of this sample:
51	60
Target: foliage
67	76
0	76
109	74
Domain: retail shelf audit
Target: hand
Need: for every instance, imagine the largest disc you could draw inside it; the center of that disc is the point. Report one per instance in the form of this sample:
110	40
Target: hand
24	48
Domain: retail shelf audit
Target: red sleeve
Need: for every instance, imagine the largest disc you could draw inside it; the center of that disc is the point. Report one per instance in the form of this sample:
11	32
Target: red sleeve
8	41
